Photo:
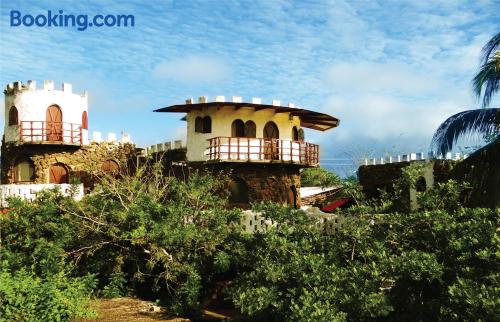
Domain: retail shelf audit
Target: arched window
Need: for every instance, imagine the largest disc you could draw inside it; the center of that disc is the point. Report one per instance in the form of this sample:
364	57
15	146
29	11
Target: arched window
238	129
295	134
250	129
238	191
198	125
13	116
207	124
110	166
24	171
58	173
85	121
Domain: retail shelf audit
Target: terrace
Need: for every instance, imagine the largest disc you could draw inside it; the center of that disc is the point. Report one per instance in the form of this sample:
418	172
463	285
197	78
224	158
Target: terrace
240	149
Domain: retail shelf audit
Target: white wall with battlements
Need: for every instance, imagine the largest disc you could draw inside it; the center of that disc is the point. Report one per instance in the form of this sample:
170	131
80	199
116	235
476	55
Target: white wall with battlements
29	191
32	103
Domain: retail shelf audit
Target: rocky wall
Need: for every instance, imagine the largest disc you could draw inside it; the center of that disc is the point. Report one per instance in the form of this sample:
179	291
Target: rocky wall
482	171
266	182
82	162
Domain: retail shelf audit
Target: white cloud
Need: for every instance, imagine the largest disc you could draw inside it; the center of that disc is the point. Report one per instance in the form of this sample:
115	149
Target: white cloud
367	77
193	69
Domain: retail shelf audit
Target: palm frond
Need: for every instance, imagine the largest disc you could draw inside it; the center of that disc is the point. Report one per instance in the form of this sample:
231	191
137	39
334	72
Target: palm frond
490	47
480	121
488	77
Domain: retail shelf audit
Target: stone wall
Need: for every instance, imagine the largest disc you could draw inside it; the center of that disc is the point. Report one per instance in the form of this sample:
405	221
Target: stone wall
383	176
82	162
265	182
482	171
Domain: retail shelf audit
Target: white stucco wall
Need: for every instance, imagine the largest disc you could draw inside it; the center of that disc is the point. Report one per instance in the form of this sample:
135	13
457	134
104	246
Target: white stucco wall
29	191
222	119
32	103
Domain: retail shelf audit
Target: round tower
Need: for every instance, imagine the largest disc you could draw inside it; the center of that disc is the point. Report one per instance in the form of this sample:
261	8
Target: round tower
45	115
39	123
261	146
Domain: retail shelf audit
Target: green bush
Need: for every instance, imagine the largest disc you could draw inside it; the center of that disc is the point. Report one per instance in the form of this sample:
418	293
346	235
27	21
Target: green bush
436	264
26	297
176	241
152	235
318	177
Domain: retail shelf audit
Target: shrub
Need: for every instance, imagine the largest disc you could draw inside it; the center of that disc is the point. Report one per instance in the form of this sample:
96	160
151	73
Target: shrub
26	297
318	177
436	264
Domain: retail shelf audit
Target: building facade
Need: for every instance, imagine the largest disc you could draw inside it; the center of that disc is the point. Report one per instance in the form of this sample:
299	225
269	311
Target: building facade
261	146
46	139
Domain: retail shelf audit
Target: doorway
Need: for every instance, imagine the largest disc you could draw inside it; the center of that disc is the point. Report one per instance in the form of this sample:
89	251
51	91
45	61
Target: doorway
54	126
58	173
271	141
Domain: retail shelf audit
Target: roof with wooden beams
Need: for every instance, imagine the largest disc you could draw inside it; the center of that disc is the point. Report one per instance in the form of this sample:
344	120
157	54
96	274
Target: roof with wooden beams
309	119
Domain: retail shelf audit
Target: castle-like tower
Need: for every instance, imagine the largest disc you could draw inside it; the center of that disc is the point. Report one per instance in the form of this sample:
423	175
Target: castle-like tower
46	139
45	115
262	146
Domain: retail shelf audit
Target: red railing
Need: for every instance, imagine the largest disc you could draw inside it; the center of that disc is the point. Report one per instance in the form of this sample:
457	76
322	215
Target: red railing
41	131
260	149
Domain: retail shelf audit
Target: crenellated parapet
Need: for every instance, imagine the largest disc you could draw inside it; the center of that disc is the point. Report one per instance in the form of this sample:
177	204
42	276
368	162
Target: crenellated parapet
48	85
236	99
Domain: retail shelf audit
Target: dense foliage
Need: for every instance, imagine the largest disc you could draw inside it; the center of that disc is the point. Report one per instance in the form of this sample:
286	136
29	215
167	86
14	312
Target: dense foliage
318	177
157	236
439	263
423	266
174	240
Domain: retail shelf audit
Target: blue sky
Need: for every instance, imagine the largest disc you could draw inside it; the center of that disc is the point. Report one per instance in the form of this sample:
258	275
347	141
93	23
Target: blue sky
392	71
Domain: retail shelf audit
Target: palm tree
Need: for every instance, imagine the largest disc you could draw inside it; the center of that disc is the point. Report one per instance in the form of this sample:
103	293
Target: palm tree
483	121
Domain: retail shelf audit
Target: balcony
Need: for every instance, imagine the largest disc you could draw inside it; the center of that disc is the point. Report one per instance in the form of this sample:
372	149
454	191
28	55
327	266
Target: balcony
236	149
50	132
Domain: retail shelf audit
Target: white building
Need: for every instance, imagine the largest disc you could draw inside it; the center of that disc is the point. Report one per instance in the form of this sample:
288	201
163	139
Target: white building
45	114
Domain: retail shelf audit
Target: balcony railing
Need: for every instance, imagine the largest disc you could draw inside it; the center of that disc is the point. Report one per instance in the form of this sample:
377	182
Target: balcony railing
263	150
50	132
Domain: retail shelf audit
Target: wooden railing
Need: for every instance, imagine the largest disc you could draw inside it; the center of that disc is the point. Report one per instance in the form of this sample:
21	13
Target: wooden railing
260	149
41	131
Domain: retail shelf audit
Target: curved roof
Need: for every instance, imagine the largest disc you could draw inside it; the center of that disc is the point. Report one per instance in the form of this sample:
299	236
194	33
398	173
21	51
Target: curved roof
308	118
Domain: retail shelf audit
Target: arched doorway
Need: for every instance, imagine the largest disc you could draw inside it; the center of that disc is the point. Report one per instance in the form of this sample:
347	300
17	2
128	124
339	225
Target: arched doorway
238	191
271	142
292	196
110	166
58	173
295	134
54	126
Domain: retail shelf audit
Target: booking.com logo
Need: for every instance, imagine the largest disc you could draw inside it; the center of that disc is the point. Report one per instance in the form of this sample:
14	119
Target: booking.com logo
82	22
